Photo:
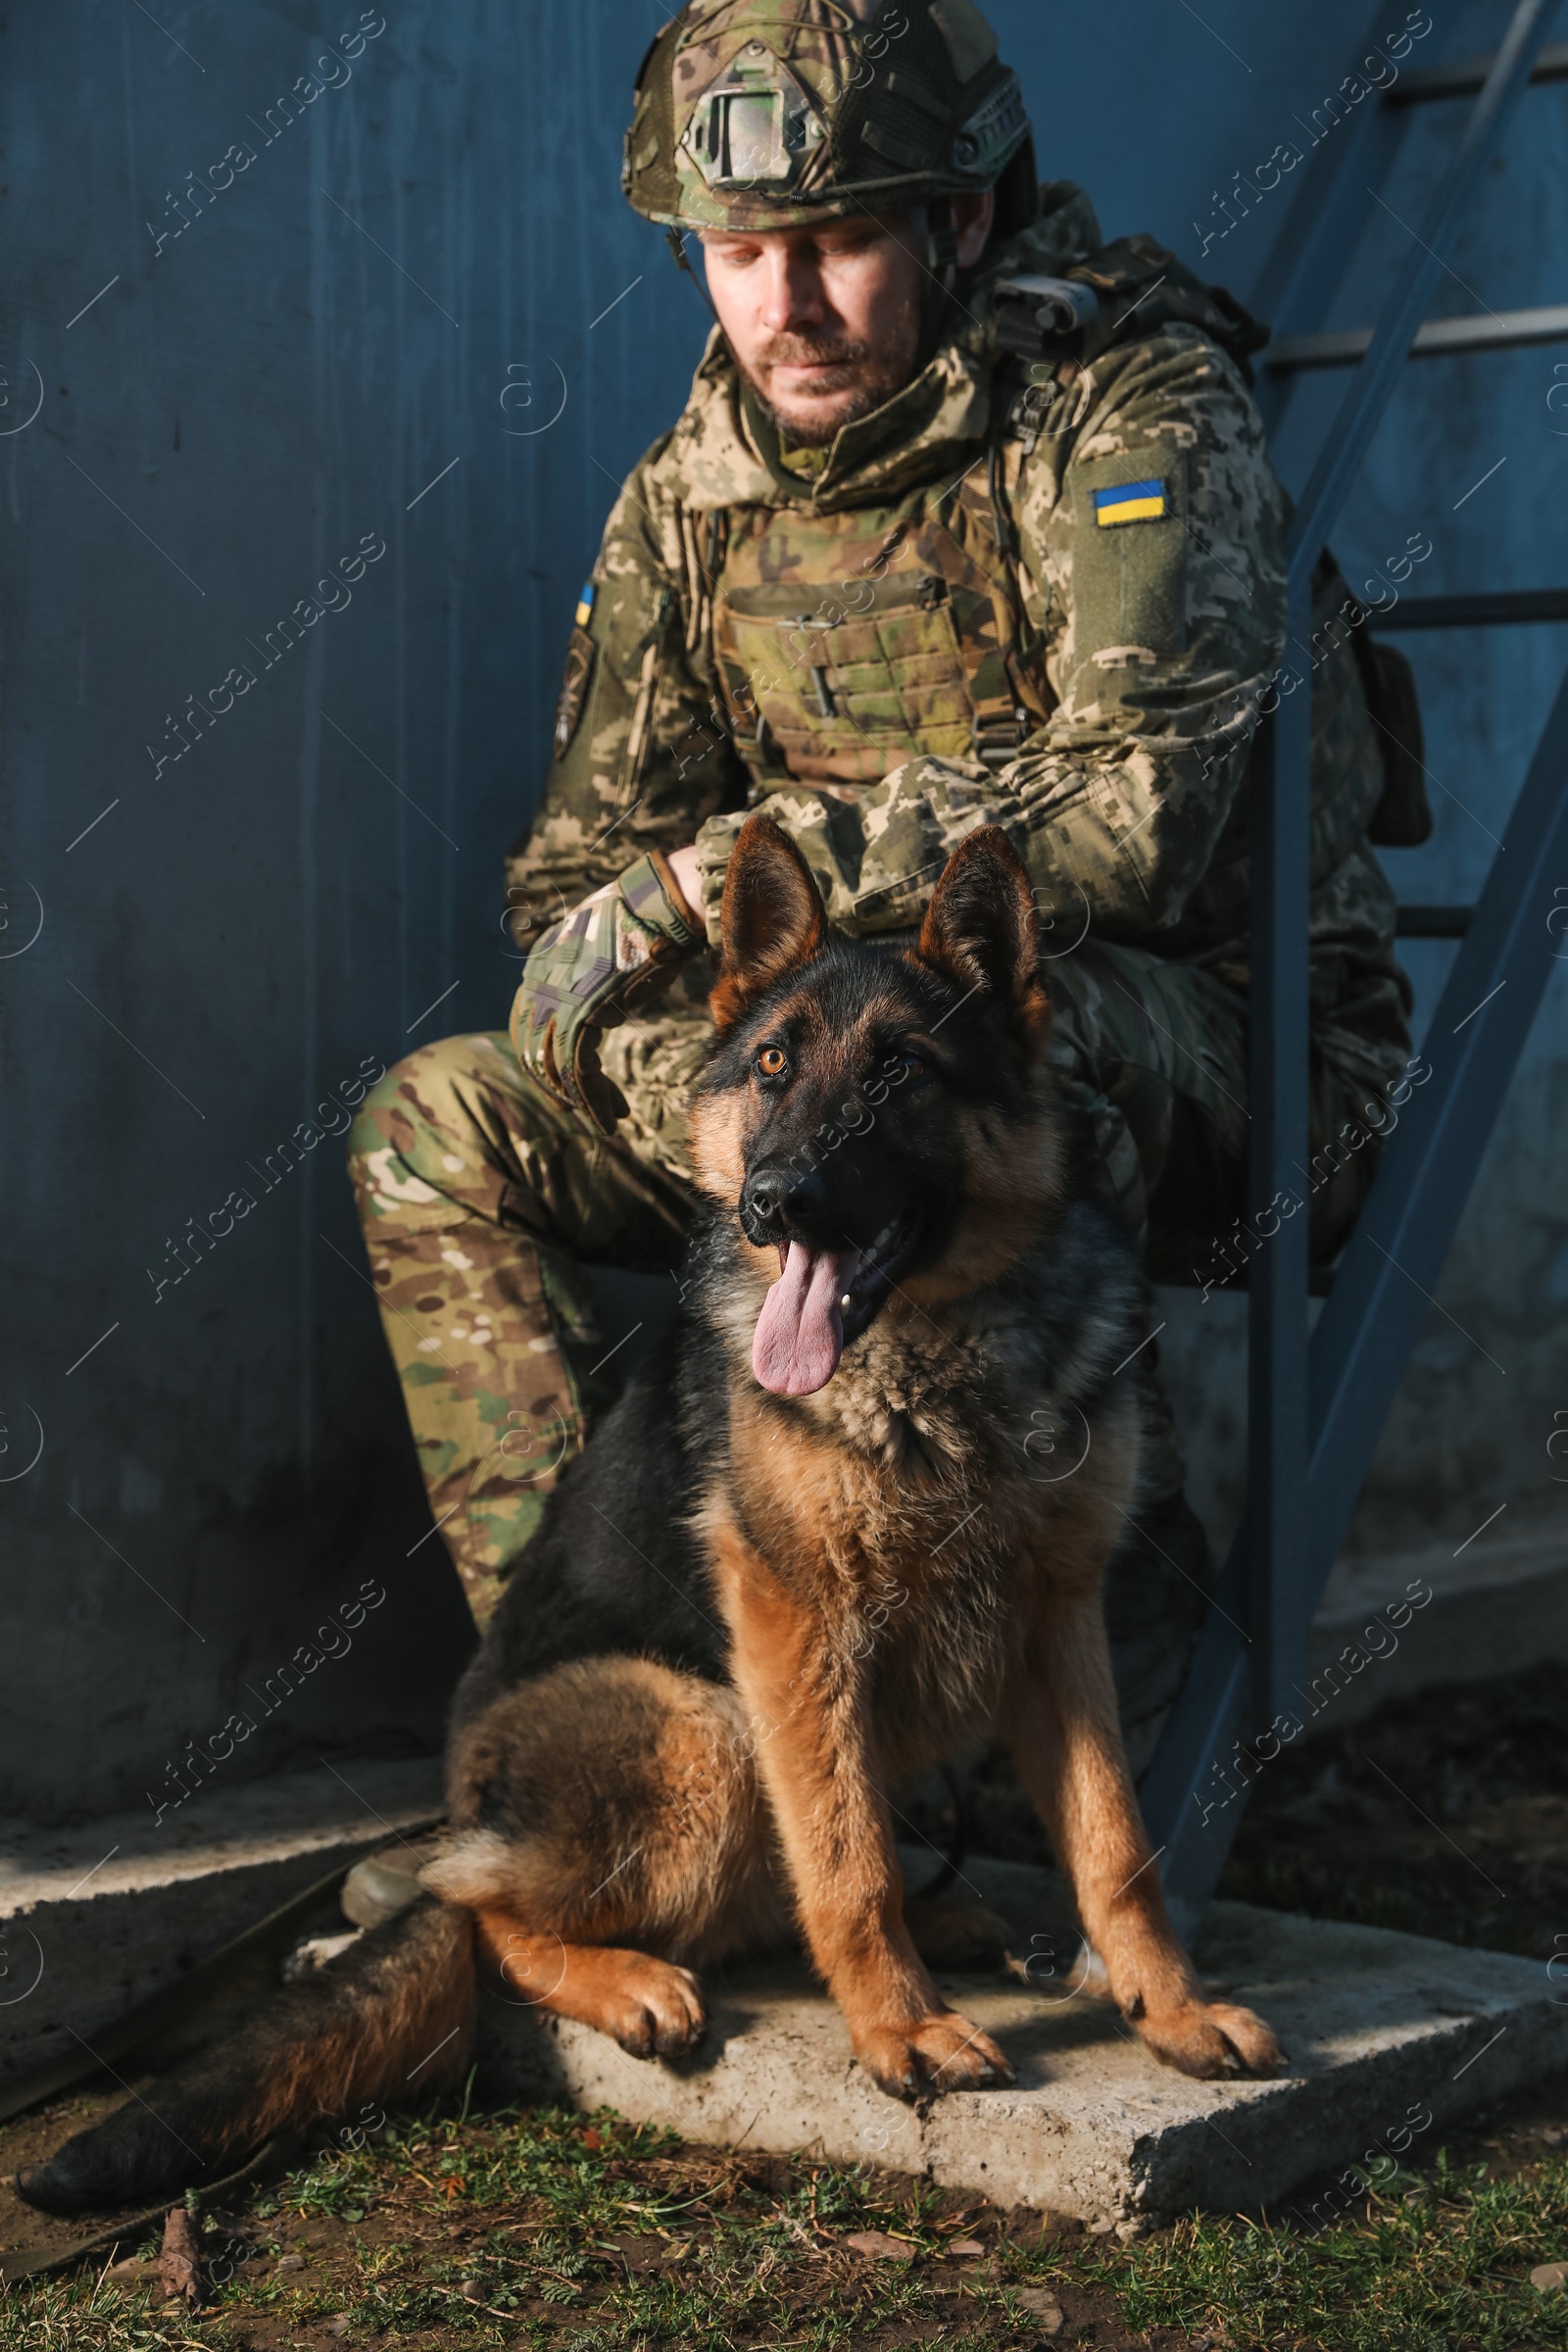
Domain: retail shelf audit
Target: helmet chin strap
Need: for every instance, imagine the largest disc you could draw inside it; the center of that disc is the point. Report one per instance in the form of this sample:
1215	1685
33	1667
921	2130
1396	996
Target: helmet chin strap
942	241
675	239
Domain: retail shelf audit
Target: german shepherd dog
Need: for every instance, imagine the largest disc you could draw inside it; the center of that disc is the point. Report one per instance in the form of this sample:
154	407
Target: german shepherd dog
806	1555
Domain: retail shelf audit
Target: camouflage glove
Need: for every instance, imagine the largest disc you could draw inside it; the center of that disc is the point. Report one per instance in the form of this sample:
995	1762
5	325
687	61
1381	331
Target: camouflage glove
587	973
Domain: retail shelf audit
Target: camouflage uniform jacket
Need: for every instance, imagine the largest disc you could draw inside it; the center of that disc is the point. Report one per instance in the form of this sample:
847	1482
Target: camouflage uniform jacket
1141	654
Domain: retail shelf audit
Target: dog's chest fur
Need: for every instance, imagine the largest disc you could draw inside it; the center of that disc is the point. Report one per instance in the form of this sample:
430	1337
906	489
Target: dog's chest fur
953	1454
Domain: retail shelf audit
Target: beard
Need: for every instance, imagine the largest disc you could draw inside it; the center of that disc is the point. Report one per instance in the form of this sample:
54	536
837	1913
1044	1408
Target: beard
859	377
852	386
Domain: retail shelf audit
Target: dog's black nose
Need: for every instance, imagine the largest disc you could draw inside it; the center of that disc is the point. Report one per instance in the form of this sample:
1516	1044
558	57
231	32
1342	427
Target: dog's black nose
783	1197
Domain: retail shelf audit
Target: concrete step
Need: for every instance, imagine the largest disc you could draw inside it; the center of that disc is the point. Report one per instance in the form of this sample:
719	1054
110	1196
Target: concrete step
1389	2036
94	1919
1462	1617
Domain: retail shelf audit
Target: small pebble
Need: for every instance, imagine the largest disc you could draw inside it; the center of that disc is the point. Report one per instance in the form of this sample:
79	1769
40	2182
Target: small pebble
1547	2276
1100	2229
1138	2226
339	2323
1042	2305
884	2248
471	2289
966	2245
291	2262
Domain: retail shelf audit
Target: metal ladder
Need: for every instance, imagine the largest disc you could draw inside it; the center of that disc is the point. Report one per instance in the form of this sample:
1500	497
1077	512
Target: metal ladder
1316	1407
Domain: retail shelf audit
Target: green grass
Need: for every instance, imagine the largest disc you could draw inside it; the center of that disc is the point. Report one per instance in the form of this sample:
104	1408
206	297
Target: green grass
553	2202
1438	2263
586	2232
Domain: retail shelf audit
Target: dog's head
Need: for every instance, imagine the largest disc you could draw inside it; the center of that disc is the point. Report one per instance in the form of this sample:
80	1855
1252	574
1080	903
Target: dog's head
872	1117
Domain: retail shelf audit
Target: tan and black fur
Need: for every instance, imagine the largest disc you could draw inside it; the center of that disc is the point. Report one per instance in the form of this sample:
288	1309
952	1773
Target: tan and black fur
747	1616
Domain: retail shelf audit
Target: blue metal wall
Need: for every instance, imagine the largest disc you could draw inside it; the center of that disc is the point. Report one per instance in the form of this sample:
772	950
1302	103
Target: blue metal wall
416	317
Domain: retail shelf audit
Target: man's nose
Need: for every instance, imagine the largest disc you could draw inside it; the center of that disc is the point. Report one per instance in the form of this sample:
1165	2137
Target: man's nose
783	1198
792	297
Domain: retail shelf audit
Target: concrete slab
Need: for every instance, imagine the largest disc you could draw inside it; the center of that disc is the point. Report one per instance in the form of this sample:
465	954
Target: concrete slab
94	1919
1499	1609
1382	2031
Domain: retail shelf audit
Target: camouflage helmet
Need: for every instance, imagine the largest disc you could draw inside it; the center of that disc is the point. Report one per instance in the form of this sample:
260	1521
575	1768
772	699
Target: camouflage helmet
777	114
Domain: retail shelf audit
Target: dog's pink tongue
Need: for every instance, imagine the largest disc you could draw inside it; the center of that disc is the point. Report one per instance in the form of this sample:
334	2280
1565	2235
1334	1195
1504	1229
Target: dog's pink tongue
800	1332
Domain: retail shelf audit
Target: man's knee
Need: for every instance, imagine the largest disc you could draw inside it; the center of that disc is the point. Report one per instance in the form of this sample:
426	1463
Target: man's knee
438	1087
1154	1053
418	1142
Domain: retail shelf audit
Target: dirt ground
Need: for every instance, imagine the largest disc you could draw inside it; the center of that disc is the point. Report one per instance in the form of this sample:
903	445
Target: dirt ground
1445	1815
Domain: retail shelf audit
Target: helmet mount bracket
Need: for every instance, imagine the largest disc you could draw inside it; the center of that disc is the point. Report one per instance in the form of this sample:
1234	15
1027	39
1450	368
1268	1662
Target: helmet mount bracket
756	114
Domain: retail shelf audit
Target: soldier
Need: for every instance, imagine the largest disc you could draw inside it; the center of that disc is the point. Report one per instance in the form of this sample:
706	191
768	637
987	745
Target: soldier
889	582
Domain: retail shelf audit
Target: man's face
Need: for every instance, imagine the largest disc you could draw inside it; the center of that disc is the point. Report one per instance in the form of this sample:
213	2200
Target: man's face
828	322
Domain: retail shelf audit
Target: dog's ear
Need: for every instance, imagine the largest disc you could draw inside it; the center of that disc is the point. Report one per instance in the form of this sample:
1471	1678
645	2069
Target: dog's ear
773	918
979	930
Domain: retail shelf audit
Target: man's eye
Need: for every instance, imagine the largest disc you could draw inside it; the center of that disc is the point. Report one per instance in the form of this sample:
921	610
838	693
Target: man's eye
773	1063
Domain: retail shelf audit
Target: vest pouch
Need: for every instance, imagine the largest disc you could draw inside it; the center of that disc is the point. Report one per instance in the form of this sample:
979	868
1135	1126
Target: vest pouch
1402	818
849	681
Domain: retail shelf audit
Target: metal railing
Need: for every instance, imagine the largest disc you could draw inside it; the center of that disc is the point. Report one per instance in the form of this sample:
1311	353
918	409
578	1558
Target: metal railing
1317	1407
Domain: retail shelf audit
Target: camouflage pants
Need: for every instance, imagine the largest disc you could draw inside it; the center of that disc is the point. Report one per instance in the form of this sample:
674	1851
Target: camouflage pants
483	1200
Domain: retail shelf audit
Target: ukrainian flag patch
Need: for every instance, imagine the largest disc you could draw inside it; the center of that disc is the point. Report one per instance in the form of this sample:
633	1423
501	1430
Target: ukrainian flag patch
1130	502
585	602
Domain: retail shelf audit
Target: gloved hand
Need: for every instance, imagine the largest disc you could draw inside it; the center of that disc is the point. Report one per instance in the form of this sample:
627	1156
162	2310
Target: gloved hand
587	973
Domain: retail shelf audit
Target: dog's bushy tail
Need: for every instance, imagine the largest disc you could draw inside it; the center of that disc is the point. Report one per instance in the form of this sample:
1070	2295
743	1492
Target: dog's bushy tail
391	2018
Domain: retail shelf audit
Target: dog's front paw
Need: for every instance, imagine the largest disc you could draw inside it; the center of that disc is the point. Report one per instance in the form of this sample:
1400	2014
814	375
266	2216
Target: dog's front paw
944	2053
1210	2039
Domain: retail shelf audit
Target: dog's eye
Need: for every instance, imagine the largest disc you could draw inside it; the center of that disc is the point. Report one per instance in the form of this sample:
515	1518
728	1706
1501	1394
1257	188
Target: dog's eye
773	1063
905	1068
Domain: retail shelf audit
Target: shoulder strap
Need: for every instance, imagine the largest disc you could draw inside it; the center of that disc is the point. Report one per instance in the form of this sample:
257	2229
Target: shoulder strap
712	559
1143	286
1002	656
1138	287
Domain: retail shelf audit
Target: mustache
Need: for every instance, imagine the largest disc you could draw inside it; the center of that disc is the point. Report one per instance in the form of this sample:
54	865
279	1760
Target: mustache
817	351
